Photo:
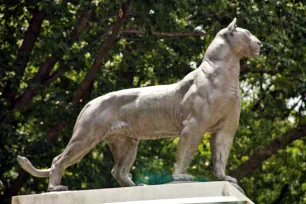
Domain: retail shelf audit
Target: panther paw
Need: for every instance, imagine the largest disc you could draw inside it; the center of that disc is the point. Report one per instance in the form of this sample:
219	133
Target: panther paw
229	179
182	177
57	188
141	184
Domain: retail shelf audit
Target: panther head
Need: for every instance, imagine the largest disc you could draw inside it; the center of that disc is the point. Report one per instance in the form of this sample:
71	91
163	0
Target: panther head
241	41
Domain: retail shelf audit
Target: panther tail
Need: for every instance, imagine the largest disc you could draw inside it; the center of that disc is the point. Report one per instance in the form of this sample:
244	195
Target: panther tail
28	167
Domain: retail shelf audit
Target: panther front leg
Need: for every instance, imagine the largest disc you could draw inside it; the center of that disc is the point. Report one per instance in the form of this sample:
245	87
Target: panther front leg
190	138
221	143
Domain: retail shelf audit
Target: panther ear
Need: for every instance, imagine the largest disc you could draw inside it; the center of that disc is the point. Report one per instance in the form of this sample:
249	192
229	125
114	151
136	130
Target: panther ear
232	26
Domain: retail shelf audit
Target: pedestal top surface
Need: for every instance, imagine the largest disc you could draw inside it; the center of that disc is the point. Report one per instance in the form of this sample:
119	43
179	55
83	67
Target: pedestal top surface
199	192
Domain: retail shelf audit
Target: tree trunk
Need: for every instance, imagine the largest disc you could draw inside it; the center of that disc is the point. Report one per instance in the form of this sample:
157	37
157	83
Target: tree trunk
267	151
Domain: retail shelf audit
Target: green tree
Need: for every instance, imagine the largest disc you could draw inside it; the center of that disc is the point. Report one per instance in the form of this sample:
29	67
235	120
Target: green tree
57	55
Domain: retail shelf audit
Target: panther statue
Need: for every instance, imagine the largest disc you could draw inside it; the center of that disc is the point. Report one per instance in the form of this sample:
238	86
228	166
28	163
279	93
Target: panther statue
207	100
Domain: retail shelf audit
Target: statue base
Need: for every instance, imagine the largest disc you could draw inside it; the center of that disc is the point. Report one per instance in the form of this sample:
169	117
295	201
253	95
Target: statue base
198	192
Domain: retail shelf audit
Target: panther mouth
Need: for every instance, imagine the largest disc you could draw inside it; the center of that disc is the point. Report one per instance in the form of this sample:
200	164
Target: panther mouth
256	52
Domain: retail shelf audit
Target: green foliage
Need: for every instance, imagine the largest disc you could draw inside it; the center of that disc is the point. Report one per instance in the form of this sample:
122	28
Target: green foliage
273	98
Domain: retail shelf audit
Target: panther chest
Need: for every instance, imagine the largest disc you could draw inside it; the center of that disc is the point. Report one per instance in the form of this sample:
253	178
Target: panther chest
222	103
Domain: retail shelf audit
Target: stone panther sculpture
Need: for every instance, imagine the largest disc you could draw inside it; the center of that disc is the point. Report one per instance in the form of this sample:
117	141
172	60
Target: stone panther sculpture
206	100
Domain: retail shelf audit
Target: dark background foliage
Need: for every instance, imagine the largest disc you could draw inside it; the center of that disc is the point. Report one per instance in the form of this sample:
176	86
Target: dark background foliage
57	55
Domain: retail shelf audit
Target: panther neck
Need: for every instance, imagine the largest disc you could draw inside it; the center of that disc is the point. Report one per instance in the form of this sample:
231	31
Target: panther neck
221	58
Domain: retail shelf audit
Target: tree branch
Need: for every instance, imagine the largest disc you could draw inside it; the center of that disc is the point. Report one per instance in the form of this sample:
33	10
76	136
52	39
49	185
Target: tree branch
82	22
267	151
106	46
54	131
282	194
263	94
187	34
24	53
74	59
42	76
53	77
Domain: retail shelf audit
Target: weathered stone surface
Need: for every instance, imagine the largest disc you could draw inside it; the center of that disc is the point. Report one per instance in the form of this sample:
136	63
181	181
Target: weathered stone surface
205	192
207	100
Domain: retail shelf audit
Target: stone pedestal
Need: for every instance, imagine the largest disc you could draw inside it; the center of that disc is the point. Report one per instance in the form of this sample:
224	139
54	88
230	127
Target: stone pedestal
205	192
